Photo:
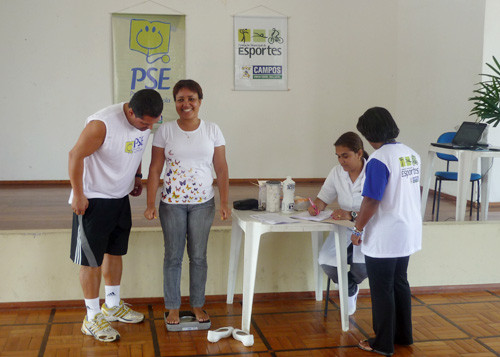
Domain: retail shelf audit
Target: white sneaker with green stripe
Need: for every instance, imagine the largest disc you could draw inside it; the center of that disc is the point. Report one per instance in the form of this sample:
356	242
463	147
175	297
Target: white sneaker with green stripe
100	328
121	313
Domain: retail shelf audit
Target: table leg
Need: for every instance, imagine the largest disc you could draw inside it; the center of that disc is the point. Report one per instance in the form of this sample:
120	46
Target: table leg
341	247
464	171
431	155
234	257
317	242
251	253
486	165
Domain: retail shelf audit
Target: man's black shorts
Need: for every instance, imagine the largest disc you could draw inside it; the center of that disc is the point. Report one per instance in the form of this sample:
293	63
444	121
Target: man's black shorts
104	228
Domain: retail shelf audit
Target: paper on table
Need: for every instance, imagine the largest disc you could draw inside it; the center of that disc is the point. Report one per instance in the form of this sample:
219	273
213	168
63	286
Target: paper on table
273	218
324	217
320	217
340	222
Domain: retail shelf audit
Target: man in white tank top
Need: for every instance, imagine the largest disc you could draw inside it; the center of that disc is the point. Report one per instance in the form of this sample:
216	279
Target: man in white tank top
104	168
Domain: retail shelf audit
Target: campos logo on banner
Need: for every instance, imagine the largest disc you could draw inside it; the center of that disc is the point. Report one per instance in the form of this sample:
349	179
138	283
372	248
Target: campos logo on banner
260	53
148	53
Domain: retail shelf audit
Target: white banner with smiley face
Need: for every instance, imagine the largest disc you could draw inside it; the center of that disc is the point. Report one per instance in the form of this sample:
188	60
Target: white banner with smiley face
148	53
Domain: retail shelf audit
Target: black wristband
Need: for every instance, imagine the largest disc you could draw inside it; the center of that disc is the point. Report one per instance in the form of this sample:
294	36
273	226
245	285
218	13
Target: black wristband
138	175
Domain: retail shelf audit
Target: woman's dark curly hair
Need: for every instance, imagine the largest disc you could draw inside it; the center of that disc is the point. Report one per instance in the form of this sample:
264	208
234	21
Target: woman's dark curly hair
377	125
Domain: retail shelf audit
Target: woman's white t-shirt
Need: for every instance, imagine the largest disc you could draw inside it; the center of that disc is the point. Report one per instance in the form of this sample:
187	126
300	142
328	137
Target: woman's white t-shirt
189	160
393	178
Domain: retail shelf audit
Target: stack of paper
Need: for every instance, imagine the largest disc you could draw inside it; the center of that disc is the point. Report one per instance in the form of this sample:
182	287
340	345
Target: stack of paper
273	218
320	217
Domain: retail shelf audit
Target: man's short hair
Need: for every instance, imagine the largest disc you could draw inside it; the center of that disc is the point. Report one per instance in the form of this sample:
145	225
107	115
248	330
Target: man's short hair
377	125
146	102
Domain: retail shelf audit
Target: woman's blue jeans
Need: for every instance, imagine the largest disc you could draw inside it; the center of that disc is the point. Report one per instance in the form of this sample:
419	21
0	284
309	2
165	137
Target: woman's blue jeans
185	224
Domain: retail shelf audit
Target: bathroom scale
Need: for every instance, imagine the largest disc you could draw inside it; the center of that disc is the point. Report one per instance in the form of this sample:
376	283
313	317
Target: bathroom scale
188	322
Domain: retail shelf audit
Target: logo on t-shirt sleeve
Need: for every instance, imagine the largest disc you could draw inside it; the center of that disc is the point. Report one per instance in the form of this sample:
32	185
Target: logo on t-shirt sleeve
134	146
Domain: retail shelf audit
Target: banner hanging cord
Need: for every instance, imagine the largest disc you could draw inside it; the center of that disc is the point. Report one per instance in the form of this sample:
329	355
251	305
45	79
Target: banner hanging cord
257	7
150	1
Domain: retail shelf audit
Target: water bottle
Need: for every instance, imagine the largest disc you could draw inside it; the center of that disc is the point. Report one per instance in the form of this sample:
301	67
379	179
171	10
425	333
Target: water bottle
288	195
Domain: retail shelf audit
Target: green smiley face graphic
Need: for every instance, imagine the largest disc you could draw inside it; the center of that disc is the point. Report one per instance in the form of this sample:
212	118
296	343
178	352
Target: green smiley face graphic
152	38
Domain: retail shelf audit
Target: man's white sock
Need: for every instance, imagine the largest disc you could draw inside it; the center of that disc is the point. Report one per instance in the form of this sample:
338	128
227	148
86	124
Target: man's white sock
93	308
112	295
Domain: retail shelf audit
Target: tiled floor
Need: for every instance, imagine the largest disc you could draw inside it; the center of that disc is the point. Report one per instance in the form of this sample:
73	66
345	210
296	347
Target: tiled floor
465	324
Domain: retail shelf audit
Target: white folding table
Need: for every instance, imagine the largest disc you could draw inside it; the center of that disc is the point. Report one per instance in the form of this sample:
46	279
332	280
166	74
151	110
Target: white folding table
254	229
465	160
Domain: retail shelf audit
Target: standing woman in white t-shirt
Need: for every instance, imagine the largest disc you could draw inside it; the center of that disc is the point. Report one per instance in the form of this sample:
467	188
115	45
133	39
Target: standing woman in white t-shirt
344	184
188	148
389	229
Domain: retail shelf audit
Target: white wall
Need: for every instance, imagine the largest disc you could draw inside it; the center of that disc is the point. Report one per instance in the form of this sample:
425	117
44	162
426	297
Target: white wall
419	58
492	48
439	58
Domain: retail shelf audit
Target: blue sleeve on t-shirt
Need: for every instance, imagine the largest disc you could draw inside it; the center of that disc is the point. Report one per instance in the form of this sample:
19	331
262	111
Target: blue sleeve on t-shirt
376	179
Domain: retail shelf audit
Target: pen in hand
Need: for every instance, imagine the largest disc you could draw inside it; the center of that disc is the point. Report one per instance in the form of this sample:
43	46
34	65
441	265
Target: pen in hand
316	210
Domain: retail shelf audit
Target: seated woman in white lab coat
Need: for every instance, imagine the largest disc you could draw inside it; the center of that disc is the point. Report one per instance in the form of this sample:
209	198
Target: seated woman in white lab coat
344	184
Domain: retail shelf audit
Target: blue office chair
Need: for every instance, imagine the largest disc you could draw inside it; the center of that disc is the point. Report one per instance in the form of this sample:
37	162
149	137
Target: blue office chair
452	176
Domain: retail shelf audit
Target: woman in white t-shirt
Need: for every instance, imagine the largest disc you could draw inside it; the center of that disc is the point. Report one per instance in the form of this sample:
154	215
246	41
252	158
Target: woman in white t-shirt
392	223
344	184
188	148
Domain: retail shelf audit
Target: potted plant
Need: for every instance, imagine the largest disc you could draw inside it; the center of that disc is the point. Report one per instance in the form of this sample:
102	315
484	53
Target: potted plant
486	98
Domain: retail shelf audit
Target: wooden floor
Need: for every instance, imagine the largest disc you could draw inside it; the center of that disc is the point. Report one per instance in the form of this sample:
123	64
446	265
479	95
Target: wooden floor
31	207
466	324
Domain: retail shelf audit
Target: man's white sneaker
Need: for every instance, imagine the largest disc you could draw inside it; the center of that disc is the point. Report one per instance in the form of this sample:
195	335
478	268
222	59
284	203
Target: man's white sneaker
100	329
121	313
351	302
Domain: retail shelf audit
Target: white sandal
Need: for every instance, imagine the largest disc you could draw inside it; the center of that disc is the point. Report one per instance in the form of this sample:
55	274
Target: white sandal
223	332
244	337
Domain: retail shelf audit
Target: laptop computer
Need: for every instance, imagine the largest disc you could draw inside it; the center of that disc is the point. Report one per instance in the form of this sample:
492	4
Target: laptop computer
467	137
